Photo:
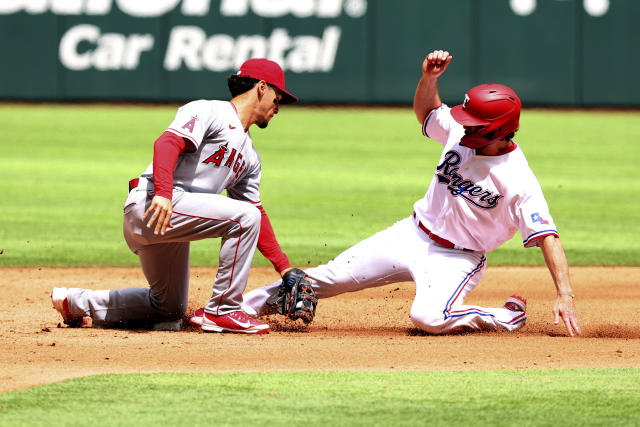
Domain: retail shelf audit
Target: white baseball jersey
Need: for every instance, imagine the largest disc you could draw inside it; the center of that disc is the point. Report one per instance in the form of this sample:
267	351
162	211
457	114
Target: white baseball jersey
479	202
475	202
224	156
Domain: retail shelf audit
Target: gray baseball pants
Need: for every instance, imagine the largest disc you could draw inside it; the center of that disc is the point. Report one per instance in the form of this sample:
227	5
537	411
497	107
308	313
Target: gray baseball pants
165	259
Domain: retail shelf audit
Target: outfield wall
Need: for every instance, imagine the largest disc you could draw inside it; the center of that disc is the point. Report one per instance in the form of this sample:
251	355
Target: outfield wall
553	52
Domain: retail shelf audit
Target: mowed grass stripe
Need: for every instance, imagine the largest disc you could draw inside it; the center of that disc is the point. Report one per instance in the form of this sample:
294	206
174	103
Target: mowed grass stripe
500	398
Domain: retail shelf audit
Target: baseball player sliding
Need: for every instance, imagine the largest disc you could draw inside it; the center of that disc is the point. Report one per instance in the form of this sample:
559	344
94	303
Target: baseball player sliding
481	193
205	150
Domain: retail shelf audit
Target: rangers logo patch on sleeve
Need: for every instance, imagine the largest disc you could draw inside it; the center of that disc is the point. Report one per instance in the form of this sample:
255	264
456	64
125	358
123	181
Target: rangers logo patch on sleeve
535	217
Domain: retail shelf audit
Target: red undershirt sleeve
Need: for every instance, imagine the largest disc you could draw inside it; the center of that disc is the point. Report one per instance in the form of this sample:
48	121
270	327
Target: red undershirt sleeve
269	246
166	150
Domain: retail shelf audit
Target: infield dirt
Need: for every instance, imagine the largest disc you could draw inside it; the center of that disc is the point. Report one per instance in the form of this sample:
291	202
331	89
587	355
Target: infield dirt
368	330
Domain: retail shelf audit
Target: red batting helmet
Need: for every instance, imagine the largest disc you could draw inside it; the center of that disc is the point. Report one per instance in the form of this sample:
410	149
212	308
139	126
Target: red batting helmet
492	107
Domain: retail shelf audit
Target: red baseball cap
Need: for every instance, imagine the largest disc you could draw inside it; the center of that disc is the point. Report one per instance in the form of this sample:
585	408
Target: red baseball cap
270	72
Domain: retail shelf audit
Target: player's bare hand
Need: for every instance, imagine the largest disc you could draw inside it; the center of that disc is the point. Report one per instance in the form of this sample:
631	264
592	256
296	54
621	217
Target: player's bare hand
162	210
565	309
436	62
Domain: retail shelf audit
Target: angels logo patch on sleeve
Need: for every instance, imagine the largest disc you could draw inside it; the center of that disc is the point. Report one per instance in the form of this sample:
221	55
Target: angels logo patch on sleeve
190	124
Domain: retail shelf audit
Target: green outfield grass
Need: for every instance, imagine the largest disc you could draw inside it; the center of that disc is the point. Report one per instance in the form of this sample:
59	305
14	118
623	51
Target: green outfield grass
331	177
598	397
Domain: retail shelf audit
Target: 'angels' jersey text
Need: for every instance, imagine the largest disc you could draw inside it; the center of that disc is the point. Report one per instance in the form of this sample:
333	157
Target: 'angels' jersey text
216	159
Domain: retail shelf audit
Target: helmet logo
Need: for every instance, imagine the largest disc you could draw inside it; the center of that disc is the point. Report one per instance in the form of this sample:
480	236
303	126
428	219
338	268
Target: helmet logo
466	101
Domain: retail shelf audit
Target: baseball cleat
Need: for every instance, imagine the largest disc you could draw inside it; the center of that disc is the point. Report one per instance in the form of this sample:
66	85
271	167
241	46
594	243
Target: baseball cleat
60	303
195	318
236	322
516	303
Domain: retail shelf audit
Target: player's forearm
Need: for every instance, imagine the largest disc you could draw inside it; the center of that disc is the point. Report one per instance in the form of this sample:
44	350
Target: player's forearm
557	264
166	150
426	97
268	244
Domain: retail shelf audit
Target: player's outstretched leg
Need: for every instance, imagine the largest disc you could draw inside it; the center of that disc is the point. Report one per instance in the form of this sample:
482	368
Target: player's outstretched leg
469	318
376	261
443	282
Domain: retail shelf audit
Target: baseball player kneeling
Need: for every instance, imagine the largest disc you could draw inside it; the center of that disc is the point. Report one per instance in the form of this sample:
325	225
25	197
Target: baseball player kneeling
481	193
206	150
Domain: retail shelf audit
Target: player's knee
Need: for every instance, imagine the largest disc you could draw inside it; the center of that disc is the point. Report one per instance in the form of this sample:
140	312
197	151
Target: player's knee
251	217
427	319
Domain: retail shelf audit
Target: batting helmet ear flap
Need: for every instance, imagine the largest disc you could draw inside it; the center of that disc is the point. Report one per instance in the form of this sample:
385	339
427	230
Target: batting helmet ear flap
475	140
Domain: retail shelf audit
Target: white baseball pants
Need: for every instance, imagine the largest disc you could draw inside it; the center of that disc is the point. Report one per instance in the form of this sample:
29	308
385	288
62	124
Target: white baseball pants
402	252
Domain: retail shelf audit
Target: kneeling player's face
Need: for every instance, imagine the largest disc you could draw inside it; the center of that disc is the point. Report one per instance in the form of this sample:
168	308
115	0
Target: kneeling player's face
271	103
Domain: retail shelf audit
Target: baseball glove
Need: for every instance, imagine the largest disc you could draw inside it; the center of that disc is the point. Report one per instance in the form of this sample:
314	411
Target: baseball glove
295	298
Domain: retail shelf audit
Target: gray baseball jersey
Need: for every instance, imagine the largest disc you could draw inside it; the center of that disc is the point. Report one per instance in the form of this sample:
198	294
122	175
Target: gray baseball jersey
222	156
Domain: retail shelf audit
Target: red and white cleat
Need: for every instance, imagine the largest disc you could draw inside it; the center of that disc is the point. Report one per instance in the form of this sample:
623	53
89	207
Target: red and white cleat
195	318
236	322
516	303
60	303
